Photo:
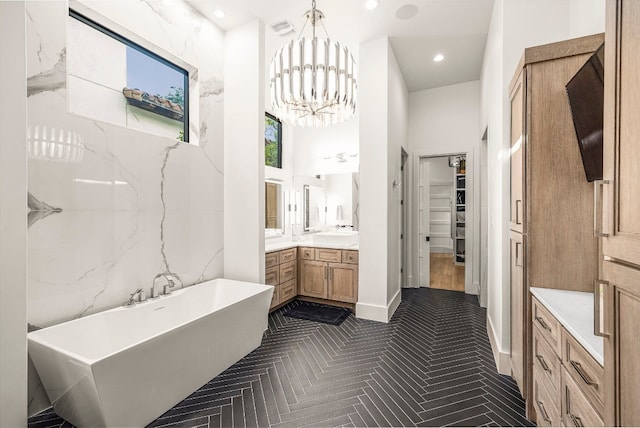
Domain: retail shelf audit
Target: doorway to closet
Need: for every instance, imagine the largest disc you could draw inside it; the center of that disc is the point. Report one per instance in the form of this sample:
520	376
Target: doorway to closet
442	222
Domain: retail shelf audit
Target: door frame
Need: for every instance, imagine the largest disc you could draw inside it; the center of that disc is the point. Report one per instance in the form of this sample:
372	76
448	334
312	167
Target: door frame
472	208
404	218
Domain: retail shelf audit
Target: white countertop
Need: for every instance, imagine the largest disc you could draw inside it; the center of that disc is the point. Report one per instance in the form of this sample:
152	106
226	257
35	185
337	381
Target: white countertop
284	244
574	310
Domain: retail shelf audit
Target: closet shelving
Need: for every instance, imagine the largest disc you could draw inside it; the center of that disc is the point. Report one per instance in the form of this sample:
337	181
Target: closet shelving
459	214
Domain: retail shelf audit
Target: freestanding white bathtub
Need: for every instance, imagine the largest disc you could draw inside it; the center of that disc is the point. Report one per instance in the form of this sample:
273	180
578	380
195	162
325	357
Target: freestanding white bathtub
126	366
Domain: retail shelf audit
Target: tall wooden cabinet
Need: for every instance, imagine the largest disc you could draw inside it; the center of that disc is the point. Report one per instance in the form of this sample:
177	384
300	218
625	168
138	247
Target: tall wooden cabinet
551	220
618	290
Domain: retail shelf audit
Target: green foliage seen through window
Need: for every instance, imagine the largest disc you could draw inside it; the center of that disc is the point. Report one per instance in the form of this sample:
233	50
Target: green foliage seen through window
272	141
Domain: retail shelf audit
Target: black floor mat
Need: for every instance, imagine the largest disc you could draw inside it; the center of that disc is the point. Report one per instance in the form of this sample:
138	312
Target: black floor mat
318	313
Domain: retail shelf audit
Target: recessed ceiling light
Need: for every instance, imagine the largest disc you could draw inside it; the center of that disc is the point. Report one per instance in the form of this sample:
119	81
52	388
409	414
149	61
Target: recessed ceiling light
438	57
371	4
218	13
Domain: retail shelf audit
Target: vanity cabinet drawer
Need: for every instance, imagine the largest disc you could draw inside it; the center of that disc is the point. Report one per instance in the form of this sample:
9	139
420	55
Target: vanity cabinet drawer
544	401
288	290
272	275
576	410
350	257
288	271
271	259
328	255
547	362
307	253
288	255
548	325
584	370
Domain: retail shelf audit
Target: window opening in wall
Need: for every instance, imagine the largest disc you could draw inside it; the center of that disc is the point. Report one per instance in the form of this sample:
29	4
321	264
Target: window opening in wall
272	141
153	84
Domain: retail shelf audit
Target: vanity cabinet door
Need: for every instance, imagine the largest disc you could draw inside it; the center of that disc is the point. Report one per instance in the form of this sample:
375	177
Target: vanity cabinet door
518	323
517	155
313	279
343	282
622	346
621	150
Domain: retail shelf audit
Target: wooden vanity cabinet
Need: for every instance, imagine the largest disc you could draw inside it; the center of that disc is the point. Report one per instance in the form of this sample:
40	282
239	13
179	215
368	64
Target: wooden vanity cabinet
551	206
281	271
619	282
567	382
332	274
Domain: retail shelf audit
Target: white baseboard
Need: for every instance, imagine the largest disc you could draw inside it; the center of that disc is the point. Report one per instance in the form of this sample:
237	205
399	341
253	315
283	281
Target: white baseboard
502	359
377	312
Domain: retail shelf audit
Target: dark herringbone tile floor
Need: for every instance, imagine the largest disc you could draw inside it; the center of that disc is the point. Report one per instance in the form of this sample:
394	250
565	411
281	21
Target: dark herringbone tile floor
430	366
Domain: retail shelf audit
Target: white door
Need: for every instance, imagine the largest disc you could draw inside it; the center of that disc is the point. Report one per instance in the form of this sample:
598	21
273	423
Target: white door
424	247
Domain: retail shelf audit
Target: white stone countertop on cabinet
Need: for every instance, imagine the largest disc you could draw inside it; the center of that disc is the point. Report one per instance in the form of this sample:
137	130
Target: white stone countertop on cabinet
283	245
574	311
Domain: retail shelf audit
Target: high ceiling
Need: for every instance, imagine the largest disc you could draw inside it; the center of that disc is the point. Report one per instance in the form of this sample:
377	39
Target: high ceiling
456	29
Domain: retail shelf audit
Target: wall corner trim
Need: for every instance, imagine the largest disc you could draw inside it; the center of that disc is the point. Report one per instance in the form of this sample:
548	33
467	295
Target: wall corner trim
501	358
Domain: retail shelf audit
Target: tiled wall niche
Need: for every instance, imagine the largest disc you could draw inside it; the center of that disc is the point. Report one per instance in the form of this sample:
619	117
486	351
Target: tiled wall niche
99	227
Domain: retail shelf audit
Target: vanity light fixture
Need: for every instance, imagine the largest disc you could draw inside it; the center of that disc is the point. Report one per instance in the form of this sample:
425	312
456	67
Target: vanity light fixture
313	80
218	13
438	58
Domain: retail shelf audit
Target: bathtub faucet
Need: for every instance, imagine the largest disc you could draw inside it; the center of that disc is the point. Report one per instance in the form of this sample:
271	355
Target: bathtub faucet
136	297
172	281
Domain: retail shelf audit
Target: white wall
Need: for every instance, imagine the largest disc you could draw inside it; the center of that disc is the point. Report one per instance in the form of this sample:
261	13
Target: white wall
397	119
244	195
13	216
373	129
382	132
515	25
445	121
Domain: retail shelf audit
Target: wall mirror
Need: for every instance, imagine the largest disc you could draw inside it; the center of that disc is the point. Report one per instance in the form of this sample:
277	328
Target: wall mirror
274	208
328	201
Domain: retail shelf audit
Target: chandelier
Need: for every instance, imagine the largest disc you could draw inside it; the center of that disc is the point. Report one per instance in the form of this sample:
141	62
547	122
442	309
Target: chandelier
55	144
313	80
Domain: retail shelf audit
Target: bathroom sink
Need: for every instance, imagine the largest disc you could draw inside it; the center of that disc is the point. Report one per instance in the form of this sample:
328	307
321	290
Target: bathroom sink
336	238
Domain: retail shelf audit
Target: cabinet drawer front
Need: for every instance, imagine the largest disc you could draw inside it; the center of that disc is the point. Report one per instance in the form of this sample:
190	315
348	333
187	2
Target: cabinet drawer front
547	362
275	299
328	255
584	370
288	290
576	409
544	401
350	257
288	271
271	259
307	253
548	324
272	275
288	255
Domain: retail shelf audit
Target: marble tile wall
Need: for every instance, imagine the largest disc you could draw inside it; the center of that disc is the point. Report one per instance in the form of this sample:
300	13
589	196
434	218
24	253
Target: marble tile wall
135	204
